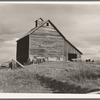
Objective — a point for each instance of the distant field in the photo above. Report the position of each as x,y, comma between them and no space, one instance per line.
52,77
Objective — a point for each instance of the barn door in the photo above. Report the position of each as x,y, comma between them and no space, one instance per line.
71,56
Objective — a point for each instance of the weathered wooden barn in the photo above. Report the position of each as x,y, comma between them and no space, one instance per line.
45,40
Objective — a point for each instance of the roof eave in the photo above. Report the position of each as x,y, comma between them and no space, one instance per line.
57,30
65,38
32,31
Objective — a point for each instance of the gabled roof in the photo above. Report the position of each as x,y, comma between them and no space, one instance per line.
34,29
39,19
64,37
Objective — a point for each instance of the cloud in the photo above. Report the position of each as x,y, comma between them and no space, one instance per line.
78,23
7,53
11,42
93,40
8,50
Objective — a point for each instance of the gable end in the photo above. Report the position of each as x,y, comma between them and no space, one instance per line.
64,37
34,29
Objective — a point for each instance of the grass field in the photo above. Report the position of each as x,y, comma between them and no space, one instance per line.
52,77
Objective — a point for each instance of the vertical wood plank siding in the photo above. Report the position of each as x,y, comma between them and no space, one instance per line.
23,49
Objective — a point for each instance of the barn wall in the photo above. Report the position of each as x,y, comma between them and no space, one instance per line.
69,49
23,49
46,42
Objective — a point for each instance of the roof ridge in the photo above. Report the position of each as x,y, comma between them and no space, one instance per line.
39,26
40,18
32,30
64,37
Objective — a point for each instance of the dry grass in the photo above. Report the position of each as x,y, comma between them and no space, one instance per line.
20,81
62,77
85,75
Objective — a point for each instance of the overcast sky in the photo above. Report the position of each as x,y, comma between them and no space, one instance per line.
80,24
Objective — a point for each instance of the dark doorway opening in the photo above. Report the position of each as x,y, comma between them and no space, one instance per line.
71,56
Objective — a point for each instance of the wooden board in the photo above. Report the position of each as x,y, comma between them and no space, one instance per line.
47,39
23,50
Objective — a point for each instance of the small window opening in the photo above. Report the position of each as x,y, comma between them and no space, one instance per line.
47,24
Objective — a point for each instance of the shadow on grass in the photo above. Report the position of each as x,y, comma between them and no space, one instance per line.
62,87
